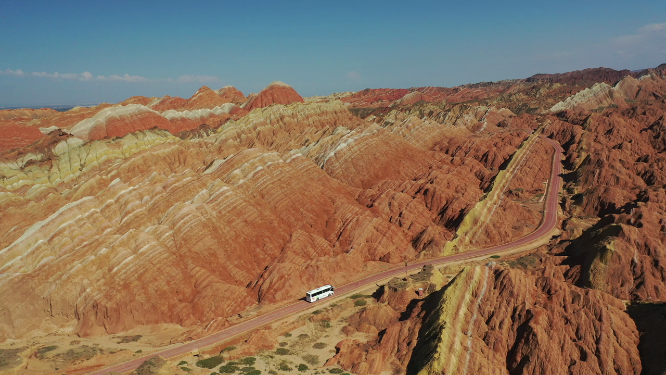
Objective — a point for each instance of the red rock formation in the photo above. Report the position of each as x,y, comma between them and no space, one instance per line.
26,113
275,93
67,119
375,97
119,121
616,161
186,120
413,97
204,98
492,319
166,103
13,135
136,100
231,94
586,76
495,320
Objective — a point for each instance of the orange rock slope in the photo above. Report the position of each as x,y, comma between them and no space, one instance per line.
494,320
149,228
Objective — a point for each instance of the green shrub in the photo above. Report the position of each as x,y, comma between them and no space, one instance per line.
228,349
317,312
284,367
139,351
335,371
288,334
495,256
319,345
128,339
186,369
302,367
312,359
246,369
249,361
282,351
44,350
211,362
181,363
272,372
360,302
325,323
303,336
283,344
254,372
228,369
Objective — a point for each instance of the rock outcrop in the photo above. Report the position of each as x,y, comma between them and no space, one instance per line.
412,98
275,93
492,320
14,135
118,121
495,320
26,113
230,94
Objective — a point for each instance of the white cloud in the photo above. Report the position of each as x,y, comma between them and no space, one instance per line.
655,27
353,75
200,79
648,40
9,72
125,77
87,76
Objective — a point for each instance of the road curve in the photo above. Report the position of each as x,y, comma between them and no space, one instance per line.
548,222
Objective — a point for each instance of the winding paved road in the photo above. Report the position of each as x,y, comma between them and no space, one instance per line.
547,224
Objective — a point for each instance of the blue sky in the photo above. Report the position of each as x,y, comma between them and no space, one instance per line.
109,51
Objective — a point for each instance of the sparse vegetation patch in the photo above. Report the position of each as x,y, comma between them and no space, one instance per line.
128,339
249,361
281,351
210,363
10,358
228,369
311,359
42,351
319,345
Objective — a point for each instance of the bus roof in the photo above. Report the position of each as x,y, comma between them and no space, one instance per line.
319,289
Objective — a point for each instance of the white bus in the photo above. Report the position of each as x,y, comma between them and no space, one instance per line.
319,293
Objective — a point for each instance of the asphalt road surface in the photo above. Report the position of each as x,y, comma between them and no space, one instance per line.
547,224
